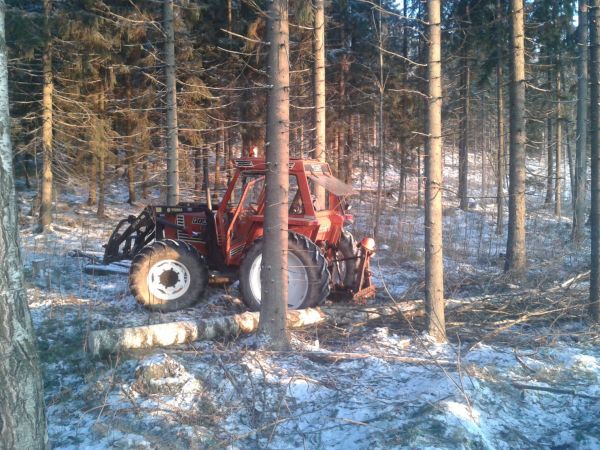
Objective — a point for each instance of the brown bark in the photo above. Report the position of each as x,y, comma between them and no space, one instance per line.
500,163
582,105
381,155
274,274
92,179
319,118
516,260
22,414
558,155
550,151
319,81
172,129
45,217
434,264
595,160
198,171
463,149
130,127
100,212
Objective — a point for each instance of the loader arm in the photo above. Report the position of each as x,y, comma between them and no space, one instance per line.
130,236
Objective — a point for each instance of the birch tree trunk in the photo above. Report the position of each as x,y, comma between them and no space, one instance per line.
22,414
595,160
515,247
274,270
45,217
434,267
582,105
172,130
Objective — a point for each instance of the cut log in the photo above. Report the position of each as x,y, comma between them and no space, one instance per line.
102,342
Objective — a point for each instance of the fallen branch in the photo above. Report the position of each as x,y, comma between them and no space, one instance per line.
102,342
334,357
554,390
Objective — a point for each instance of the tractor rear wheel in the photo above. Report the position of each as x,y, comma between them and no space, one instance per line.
167,276
343,270
308,276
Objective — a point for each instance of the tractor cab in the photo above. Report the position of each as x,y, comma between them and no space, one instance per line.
316,199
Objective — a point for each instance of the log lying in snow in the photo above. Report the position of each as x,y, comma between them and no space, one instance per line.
102,342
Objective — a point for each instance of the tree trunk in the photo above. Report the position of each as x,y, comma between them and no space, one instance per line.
171,85
22,413
146,176
571,163
500,163
516,260
219,158
92,179
463,151
100,212
549,150
559,142
419,178
104,342
434,263
582,105
319,118
45,217
198,172
274,270
130,147
341,145
381,81
595,160
205,171
348,152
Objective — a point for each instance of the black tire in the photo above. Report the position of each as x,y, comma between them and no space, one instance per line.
185,272
308,275
344,272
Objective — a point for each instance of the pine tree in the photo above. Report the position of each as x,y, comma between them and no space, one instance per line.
515,247
434,263
274,270
582,106
594,20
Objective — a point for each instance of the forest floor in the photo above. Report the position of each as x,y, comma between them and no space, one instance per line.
521,368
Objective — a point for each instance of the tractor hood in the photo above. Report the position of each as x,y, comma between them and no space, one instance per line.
332,184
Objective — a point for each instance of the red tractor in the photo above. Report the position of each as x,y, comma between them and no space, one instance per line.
177,250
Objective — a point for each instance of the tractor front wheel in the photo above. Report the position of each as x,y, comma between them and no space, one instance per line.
308,276
167,276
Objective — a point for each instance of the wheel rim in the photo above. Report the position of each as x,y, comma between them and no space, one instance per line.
297,280
168,279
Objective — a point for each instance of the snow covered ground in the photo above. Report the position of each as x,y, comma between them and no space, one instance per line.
501,382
